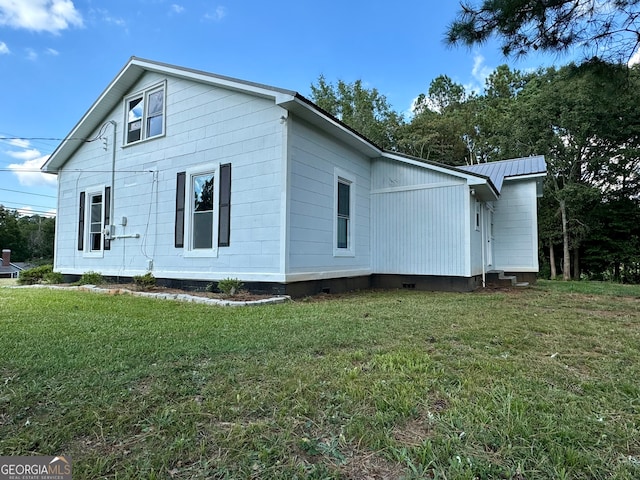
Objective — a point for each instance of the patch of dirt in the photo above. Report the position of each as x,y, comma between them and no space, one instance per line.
492,288
370,466
123,288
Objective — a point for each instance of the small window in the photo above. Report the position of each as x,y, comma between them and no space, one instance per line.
145,115
93,218
344,211
95,223
202,211
477,216
134,120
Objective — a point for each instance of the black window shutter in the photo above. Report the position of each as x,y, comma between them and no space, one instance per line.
224,215
107,214
81,223
179,226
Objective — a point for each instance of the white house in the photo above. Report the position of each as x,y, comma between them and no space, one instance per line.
197,177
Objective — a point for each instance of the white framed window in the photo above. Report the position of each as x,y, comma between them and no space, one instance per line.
201,212
93,217
344,210
490,210
477,215
96,221
145,114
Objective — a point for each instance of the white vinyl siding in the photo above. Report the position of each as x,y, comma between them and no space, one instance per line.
205,126
419,225
515,243
318,164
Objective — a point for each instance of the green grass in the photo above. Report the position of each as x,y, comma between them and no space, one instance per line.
530,384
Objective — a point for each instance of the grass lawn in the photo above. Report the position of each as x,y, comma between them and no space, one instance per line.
529,384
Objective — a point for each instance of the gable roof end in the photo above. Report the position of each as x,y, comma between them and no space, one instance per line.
134,69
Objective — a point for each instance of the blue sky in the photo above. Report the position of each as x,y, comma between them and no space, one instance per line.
57,56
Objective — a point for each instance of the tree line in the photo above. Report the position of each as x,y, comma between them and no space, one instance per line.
583,118
30,238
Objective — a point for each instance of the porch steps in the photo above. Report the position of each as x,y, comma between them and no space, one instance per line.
497,278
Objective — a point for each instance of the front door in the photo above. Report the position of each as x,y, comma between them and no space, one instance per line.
488,229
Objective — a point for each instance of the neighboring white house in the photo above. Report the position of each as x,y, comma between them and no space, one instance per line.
197,177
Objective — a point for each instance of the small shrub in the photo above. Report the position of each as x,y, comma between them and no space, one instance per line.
211,287
145,281
53,278
230,286
34,275
91,278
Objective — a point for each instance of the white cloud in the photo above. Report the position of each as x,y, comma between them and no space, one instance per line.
217,15
480,71
40,15
635,59
18,142
31,54
52,51
4,50
25,154
29,174
103,15
175,8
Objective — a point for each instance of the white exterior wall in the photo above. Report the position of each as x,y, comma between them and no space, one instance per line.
204,126
314,160
419,221
515,244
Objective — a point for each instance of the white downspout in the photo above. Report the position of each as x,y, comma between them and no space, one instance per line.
483,239
113,171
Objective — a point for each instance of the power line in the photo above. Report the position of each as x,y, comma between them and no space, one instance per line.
45,138
17,203
24,170
27,193
25,211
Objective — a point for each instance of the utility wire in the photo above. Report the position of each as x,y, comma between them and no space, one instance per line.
24,211
23,206
27,193
20,170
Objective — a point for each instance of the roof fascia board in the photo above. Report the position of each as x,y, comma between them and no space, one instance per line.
212,79
472,178
525,177
298,103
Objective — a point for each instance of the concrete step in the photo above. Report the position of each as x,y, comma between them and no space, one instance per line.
499,279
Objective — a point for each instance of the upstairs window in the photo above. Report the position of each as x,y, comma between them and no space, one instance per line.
145,115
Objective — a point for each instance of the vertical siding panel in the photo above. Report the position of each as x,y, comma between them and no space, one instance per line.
515,220
419,230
